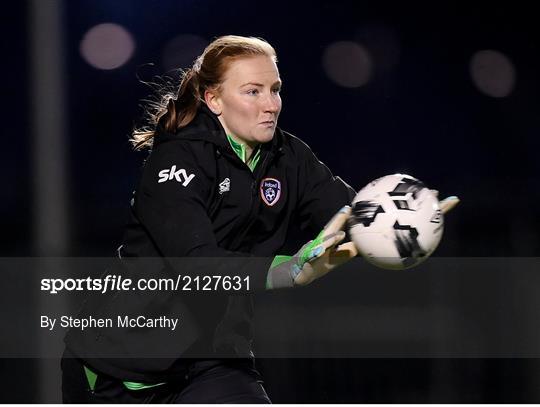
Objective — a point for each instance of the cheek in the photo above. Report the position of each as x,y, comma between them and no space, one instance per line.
239,109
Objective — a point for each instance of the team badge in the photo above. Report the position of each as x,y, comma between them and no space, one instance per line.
270,191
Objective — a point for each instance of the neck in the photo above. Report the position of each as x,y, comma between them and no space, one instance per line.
248,147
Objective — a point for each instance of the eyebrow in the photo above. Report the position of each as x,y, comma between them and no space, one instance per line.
260,84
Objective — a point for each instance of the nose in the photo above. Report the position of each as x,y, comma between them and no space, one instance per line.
272,103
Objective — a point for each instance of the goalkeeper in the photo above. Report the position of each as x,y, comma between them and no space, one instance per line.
222,181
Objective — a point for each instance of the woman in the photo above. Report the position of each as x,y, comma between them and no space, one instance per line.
222,187
222,183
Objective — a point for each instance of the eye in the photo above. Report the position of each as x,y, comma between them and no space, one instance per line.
253,92
276,90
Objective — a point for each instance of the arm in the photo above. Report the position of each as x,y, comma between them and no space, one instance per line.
321,195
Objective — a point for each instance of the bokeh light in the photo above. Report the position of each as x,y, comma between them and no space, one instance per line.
347,64
107,46
181,51
493,73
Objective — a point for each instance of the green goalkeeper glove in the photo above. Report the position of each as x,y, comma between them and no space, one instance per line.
315,258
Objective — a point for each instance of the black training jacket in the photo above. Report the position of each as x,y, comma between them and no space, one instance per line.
197,200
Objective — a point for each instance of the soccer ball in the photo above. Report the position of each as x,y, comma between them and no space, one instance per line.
396,222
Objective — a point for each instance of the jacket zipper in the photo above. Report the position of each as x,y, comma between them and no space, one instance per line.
252,204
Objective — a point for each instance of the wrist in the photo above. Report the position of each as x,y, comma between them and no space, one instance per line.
281,273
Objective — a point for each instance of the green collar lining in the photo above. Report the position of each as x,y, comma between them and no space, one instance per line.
240,150
91,377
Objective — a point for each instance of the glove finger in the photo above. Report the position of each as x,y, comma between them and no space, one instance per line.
327,242
338,220
333,239
327,260
333,258
346,250
342,254
448,204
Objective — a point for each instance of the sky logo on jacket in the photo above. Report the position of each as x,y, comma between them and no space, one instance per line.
180,175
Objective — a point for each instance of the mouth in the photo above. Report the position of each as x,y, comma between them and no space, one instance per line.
267,123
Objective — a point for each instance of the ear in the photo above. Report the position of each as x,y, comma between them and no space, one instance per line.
213,101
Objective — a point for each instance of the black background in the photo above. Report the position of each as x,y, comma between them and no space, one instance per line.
420,114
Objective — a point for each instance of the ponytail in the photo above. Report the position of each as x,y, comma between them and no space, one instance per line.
186,103
172,111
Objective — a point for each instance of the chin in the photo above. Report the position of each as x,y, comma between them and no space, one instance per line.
265,137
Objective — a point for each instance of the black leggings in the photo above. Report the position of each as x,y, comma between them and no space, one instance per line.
207,382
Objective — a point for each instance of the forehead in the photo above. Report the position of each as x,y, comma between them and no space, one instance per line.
260,69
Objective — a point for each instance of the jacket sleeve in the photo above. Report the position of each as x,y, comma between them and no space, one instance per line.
321,194
171,204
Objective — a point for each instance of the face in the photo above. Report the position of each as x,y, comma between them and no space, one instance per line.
248,101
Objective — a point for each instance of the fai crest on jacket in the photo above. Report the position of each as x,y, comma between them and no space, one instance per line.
270,191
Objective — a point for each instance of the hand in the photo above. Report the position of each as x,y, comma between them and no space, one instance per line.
315,258
331,258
